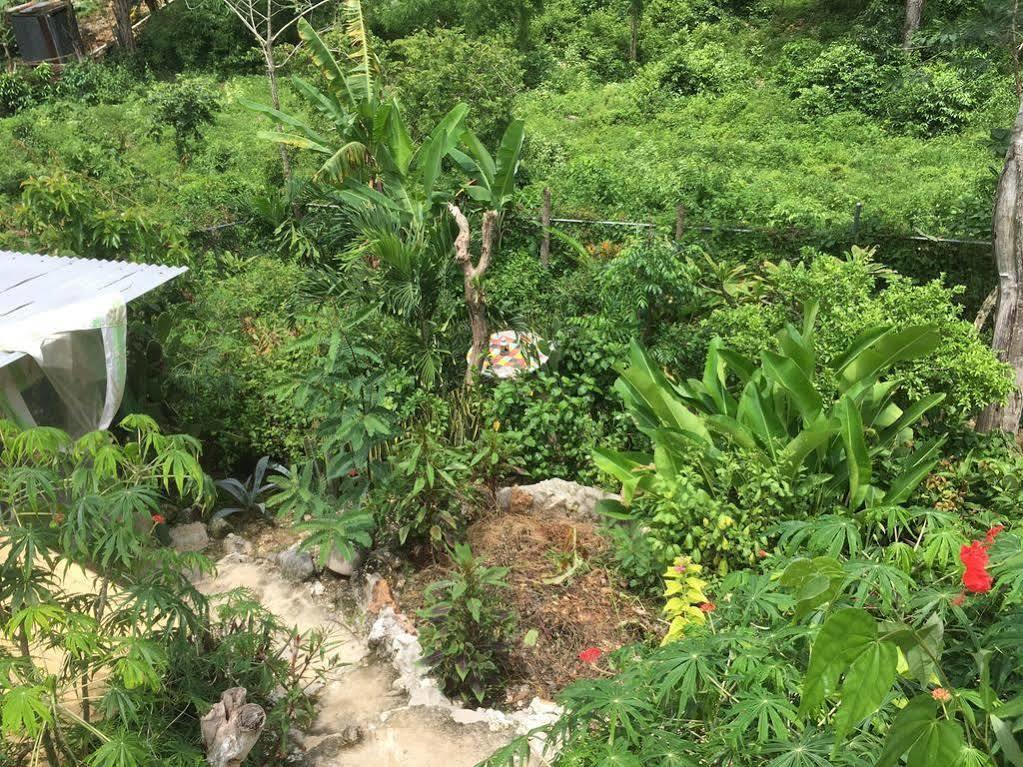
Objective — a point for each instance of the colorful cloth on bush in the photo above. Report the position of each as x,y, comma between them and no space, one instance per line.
511,353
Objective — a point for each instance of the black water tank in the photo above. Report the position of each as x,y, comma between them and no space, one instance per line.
46,30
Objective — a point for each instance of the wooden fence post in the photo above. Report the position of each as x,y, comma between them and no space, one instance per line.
680,222
545,222
856,221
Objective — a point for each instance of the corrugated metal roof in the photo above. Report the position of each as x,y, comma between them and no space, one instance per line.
32,283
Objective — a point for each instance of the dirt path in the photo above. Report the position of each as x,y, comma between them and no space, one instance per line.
370,714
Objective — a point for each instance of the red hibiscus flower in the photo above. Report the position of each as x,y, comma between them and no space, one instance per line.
590,655
708,607
976,579
159,519
994,532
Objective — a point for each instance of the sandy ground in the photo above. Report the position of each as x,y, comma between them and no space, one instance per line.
359,691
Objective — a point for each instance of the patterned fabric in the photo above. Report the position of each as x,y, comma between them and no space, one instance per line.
511,353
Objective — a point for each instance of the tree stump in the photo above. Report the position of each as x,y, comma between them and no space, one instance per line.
231,729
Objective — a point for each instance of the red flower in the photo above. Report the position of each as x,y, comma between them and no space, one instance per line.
941,694
976,579
708,607
994,532
159,519
590,655
762,554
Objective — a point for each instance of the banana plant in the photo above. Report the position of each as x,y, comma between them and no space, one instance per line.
491,180
777,412
368,139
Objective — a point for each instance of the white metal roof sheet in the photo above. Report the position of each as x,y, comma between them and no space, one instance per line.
32,283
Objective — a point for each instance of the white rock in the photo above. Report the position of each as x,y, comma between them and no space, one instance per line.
235,544
341,566
558,496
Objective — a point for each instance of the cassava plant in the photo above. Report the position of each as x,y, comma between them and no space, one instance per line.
108,654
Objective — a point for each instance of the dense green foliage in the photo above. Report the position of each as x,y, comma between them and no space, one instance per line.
786,412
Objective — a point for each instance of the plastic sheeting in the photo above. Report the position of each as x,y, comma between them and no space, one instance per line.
74,371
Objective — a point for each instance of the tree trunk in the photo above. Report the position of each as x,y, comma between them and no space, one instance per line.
231,729
1008,247
475,301
634,37
275,101
122,21
914,12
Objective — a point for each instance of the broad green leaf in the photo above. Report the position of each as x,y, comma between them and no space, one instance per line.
857,457
321,53
843,636
815,582
919,715
1007,741
787,373
867,682
888,350
914,471
508,155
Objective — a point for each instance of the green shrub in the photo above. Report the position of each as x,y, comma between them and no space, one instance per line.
838,77
229,353
936,98
731,462
467,629
15,93
555,416
139,637
436,69
196,36
186,106
846,291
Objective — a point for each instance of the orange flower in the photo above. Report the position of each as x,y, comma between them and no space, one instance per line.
159,519
941,695
708,607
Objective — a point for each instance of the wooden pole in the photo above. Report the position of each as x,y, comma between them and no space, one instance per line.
680,222
545,222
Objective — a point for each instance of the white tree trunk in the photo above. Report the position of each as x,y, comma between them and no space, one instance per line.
231,729
475,301
1008,247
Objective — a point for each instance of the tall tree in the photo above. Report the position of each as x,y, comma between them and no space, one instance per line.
914,13
268,21
122,24
1008,246
635,17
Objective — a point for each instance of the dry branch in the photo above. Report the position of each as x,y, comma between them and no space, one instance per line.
231,729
